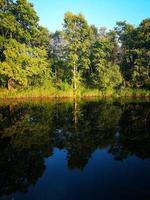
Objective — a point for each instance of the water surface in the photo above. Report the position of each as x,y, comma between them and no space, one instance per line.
75,150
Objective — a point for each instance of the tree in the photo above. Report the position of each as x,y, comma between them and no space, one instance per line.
27,19
24,66
57,55
23,45
105,73
78,34
135,54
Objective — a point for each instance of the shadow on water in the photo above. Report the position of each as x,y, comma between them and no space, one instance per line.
31,131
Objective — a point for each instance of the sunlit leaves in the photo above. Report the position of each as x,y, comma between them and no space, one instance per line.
25,65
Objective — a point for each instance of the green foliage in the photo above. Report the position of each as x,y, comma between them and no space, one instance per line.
135,57
24,65
78,58
57,54
105,74
78,35
23,46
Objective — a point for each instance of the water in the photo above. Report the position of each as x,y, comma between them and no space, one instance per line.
75,150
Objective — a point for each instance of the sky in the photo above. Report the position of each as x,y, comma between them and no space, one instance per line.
98,12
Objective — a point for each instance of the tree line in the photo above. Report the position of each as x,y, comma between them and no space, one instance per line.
78,56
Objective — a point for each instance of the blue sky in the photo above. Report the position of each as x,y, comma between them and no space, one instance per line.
98,12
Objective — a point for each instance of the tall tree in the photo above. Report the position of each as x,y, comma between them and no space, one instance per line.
78,35
57,54
105,74
22,44
135,54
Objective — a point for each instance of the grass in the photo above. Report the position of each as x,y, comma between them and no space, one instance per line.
134,93
52,92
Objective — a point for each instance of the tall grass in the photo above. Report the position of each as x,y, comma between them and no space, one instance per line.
67,92
134,93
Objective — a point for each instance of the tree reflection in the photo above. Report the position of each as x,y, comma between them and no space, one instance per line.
29,133
133,138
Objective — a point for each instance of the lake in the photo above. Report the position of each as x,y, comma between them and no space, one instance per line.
75,150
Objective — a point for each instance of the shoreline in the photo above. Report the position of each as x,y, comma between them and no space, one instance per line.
46,94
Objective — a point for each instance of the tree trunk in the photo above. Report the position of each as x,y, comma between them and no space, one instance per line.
10,84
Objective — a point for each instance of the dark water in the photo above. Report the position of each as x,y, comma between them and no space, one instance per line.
75,150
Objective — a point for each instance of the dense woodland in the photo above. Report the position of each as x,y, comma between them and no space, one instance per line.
76,57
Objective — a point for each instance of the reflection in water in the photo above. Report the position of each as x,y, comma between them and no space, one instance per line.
30,132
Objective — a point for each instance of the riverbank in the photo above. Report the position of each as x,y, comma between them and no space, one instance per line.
55,93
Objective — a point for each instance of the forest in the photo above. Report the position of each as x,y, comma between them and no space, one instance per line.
81,59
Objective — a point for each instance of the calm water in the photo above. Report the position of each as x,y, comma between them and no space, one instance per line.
75,150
